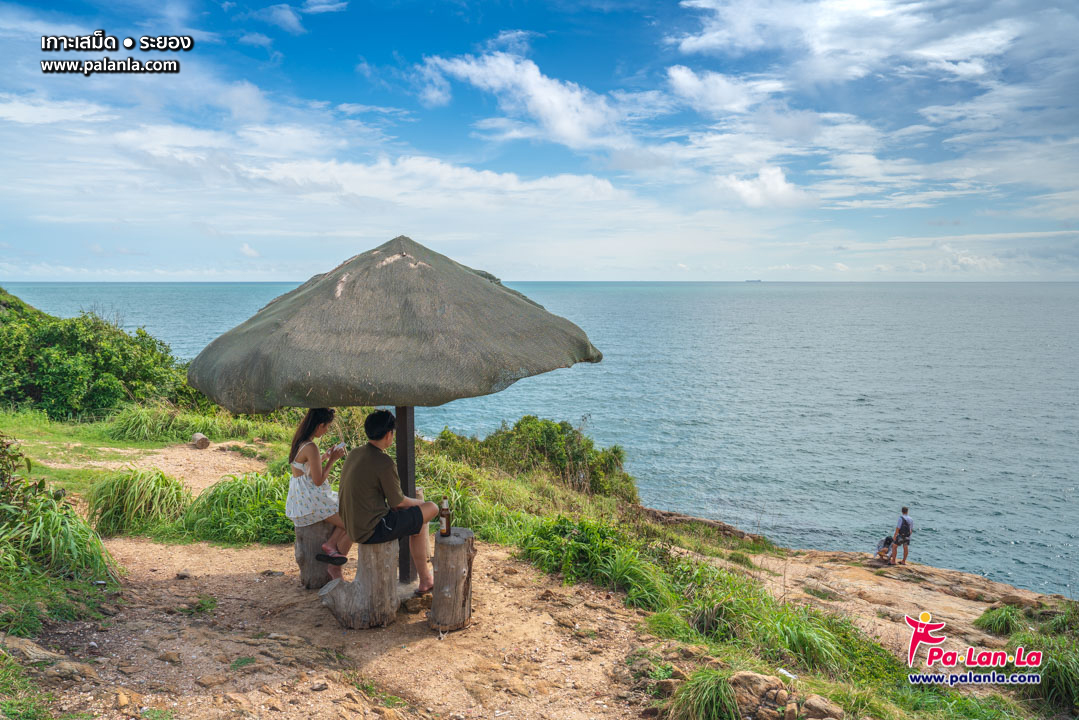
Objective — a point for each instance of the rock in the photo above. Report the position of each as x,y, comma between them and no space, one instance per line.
781,697
169,657
791,713
414,604
767,713
30,651
122,700
272,573
275,706
667,687
817,707
510,571
1017,601
650,712
750,690
238,699
183,575
71,670
128,669
319,687
209,681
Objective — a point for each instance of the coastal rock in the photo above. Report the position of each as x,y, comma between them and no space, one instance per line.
791,712
751,690
817,707
209,681
1017,601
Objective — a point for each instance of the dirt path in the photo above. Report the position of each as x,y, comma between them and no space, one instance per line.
198,469
269,649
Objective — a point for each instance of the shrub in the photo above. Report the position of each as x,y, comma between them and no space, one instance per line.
706,695
242,509
135,500
68,366
557,447
1003,621
160,421
1059,669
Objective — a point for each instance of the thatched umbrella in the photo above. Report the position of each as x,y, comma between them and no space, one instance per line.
398,325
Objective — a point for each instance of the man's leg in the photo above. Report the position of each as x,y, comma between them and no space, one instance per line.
417,545
906,548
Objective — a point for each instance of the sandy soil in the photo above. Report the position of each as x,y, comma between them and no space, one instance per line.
536,649
198,469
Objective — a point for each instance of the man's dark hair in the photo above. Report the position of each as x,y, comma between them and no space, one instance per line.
904,510
378,423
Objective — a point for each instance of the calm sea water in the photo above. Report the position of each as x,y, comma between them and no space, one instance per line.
810,412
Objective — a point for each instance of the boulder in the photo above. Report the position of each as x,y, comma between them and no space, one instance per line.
751,690
30,651
816,707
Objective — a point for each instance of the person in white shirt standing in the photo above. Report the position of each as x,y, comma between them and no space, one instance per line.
903,529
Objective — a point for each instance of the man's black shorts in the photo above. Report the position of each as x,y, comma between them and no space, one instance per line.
397,524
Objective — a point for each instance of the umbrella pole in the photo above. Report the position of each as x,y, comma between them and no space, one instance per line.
406,471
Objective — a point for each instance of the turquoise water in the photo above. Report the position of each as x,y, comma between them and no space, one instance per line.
810,412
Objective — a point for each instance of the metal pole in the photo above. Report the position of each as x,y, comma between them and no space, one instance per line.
406,471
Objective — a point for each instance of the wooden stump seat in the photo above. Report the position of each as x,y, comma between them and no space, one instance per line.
371,599
309,539
451,604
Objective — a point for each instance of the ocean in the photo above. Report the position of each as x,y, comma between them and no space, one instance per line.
810,412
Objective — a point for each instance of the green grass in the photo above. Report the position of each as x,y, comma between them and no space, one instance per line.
740,558
1002,621
203,604
162,422
706,695
241,662
820,593
1059,669
241,509
134,500
20,699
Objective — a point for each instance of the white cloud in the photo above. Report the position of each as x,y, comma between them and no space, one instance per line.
256,39
566,112
34,111
283,16
249,251
718,94
324,6
769,189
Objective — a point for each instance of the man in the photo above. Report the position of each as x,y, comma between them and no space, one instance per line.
373,508
901,536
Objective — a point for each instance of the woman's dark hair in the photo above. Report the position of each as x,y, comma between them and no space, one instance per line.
378,423
313,418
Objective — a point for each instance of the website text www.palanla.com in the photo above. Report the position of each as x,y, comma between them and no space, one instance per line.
109,65
974,678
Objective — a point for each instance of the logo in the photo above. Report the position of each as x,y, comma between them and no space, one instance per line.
922,631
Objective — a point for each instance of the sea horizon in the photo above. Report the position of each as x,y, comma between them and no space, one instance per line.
755,406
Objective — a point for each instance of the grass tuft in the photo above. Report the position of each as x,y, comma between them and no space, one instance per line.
241,509
135,500
706,695
1001,621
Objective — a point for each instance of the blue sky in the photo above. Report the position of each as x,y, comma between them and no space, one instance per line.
701,140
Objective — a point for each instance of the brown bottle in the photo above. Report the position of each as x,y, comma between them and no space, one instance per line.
444,518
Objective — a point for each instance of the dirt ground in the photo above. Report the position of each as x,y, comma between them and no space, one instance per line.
535,649
198,469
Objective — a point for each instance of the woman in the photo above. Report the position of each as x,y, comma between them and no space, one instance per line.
310,497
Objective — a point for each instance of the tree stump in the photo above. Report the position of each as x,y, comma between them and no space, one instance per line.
451,605
200,441
371,599
309,539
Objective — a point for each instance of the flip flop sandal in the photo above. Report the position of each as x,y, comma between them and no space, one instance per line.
335,559
420,593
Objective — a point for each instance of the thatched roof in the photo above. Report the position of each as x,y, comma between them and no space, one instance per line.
397,325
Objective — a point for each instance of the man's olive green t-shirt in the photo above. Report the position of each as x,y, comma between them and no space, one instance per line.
369,488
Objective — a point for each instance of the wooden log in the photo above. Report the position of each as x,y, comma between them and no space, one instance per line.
309,540
200,441
371,599
451,605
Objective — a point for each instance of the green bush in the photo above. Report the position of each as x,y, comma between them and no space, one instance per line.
242,509
49,556
1059,669
69,366
556,447
135,500
1000,621
706,695
159,421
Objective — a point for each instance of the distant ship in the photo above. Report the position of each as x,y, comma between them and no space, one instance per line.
752,280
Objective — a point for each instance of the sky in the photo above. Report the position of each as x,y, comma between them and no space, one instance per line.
813,140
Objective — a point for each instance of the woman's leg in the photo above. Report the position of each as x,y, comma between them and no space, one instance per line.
333,543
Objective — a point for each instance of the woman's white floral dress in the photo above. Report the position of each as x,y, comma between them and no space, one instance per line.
308,503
